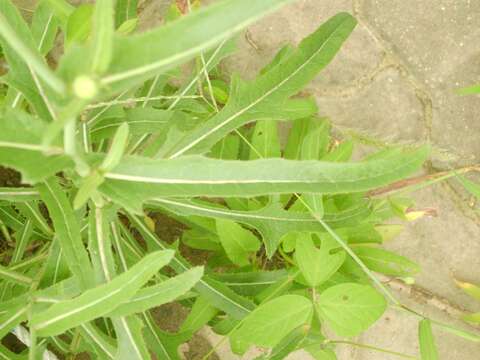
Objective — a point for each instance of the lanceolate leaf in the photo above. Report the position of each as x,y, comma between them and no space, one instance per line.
44,27
103,29
271,322
21,149
470,186
428,349
18,194
130,341
239,243
23,47
349,308
259,99
159,294
386,262
125,10
13,316
216,292
174,43
272,221
250,283
140,121
99,301
67,230
137,179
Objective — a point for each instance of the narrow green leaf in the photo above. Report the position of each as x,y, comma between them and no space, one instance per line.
15,277
44,27
137,179
140,120
87,189
349,309
202,312
21,149
20,76
217,293
18,194
6,354
131,345
103,345
159,294
271,322
22,240
475,89
103,30
13,316
272,221
100,300
238,242
30,210
56,266
79,24
428,349
386,262
99,242
250,283
316,141
317,265
470,186
159,49
125,10
67,230
259,99
265,140
62,9
119,143
288,345
343,152
28,53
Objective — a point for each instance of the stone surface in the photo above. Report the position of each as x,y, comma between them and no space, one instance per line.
446,246
364,109
438,43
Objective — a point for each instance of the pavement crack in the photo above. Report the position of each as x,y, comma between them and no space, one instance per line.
420,91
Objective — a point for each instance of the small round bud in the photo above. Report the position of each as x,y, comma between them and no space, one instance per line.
85,87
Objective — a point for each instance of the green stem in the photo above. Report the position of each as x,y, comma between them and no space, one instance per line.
350,252
374,348
451,329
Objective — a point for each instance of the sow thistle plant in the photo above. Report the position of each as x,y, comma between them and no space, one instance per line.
106,137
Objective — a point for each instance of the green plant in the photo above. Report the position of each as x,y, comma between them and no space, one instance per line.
107,140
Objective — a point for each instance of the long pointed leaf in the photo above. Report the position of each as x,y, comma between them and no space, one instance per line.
157,50
218,294
67,230
98,301
137,179
259,99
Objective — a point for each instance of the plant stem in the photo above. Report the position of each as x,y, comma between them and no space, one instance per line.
370,347
419,182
